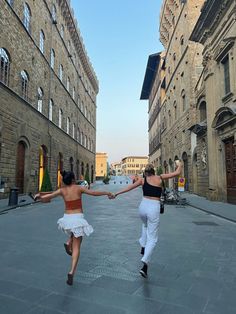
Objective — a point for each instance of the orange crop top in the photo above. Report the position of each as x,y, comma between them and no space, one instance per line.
75,204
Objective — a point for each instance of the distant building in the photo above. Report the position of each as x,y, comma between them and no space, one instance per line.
101,165
116,168
132,165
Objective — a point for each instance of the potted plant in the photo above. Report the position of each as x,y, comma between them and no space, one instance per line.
46,186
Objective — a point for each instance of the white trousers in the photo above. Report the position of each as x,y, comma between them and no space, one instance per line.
149,211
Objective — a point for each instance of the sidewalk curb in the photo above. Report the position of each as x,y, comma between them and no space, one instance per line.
212,213
14,207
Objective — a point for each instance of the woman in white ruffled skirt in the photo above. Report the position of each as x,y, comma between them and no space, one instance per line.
73,222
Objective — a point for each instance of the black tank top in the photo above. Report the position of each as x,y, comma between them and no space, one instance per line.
151,190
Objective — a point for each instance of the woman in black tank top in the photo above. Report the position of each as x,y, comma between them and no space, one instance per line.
149,209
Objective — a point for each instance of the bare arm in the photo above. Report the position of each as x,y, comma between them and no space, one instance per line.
130,187
49,196
94,193
176,173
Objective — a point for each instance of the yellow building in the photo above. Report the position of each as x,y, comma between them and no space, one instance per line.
101,165
133,165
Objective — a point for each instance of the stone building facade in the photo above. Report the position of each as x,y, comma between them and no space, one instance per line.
48,92
170,88
153,89
215,153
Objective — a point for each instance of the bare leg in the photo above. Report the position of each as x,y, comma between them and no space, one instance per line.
69,242
76,243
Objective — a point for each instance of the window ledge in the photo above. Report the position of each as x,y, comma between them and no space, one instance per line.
227,97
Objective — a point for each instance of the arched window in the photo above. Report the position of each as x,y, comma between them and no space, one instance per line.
182,40
68,84
41,41
203,111
27,17
4,66
24,84
82,138
85,111
50,109
62,31
61,72
71,164
52,59
54,13
40,99
73,130
78,135
60,118
68,125
85,141
73,93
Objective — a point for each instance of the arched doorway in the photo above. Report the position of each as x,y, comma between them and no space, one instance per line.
42,163
59,169
20,166
186,174
71,164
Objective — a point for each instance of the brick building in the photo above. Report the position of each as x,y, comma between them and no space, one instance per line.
48,92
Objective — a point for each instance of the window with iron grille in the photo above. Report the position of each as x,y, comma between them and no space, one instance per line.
4,66
24,84
27,16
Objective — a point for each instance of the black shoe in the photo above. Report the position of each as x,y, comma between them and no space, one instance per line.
142,250
143,270
67,248
69,279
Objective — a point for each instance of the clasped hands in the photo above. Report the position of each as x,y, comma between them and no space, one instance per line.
111,196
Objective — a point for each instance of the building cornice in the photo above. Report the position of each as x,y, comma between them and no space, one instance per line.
73,28
211,14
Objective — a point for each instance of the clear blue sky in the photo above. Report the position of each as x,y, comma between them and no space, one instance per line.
119,36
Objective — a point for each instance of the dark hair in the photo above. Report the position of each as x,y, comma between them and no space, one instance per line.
67,177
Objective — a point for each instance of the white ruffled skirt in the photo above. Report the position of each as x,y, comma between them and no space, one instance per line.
76,224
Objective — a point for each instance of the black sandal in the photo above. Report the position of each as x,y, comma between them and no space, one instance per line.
68,251
69,279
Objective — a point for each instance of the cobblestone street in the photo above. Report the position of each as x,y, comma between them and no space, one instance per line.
192,270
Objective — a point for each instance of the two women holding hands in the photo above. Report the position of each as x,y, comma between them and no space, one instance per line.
74,224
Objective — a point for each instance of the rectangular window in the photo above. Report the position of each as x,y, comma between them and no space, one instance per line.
225,63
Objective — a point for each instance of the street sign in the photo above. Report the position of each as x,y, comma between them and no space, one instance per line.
181,184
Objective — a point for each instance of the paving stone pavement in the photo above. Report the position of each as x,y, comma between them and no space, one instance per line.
193,269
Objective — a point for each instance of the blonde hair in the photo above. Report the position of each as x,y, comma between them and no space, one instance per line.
149,170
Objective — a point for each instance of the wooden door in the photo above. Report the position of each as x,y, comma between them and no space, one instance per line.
230,156
20,167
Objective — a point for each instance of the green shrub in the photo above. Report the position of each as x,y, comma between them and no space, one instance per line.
106,179
46,184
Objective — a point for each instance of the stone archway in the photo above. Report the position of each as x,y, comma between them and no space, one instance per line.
59,169
20,166
43,161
